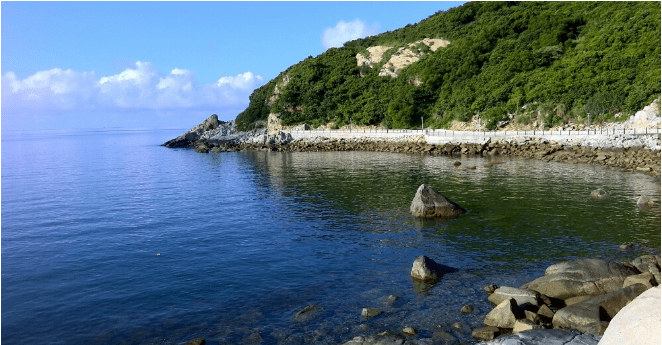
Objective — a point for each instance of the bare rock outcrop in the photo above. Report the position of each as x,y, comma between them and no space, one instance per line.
410,54
194,134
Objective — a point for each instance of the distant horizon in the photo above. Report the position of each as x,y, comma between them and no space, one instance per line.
159,65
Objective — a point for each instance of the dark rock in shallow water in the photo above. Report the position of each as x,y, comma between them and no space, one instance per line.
425,269
428,203
599,194
196,341
305,311
546,337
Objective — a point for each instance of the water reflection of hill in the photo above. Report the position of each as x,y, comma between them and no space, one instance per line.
522,204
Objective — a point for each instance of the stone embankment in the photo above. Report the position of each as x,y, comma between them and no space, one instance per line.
633,145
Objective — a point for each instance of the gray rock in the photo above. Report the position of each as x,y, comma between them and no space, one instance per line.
647,279
409,331
486,333
369,312
305,311
504,315
581,277
533,317
490,288
545,312
425,269
521,296
202,148
649,263
645,200
546,337
377,340
637,323
391,299
576,299
525,325
599,194
428,203
592,315
467,309
196,341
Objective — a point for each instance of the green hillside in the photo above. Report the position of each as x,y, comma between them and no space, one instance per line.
564,59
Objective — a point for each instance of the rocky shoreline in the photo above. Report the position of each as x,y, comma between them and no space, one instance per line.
636,158
630,152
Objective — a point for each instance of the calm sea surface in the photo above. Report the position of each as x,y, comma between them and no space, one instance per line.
109,238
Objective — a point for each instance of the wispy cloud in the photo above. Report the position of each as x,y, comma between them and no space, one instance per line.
140,87
344,31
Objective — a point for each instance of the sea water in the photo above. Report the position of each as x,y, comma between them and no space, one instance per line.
110,238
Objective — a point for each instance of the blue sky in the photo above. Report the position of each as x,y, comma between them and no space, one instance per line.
166,64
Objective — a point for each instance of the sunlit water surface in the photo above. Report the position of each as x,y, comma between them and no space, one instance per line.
109,238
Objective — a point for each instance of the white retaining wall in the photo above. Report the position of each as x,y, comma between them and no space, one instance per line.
441,136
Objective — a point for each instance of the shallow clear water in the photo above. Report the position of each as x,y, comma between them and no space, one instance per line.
109,238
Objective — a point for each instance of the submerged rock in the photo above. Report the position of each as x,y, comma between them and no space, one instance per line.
305,311
196,341
428,203
369,312
376,340
427,270
645,200
546,337
599,194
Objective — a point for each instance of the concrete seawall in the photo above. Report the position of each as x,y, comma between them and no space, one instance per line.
598,137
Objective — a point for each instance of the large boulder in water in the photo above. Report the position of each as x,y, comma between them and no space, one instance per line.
427,270
581,278
428,203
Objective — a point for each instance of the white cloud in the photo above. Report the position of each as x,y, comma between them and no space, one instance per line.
343,32
63,89
140,87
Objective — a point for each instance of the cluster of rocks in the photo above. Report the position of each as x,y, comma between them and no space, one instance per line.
583,295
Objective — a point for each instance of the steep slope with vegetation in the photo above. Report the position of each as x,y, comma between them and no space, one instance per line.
561,59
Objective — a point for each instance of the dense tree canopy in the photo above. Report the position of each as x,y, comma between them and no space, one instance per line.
565,58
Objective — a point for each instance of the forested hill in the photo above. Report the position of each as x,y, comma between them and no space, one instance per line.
564,59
